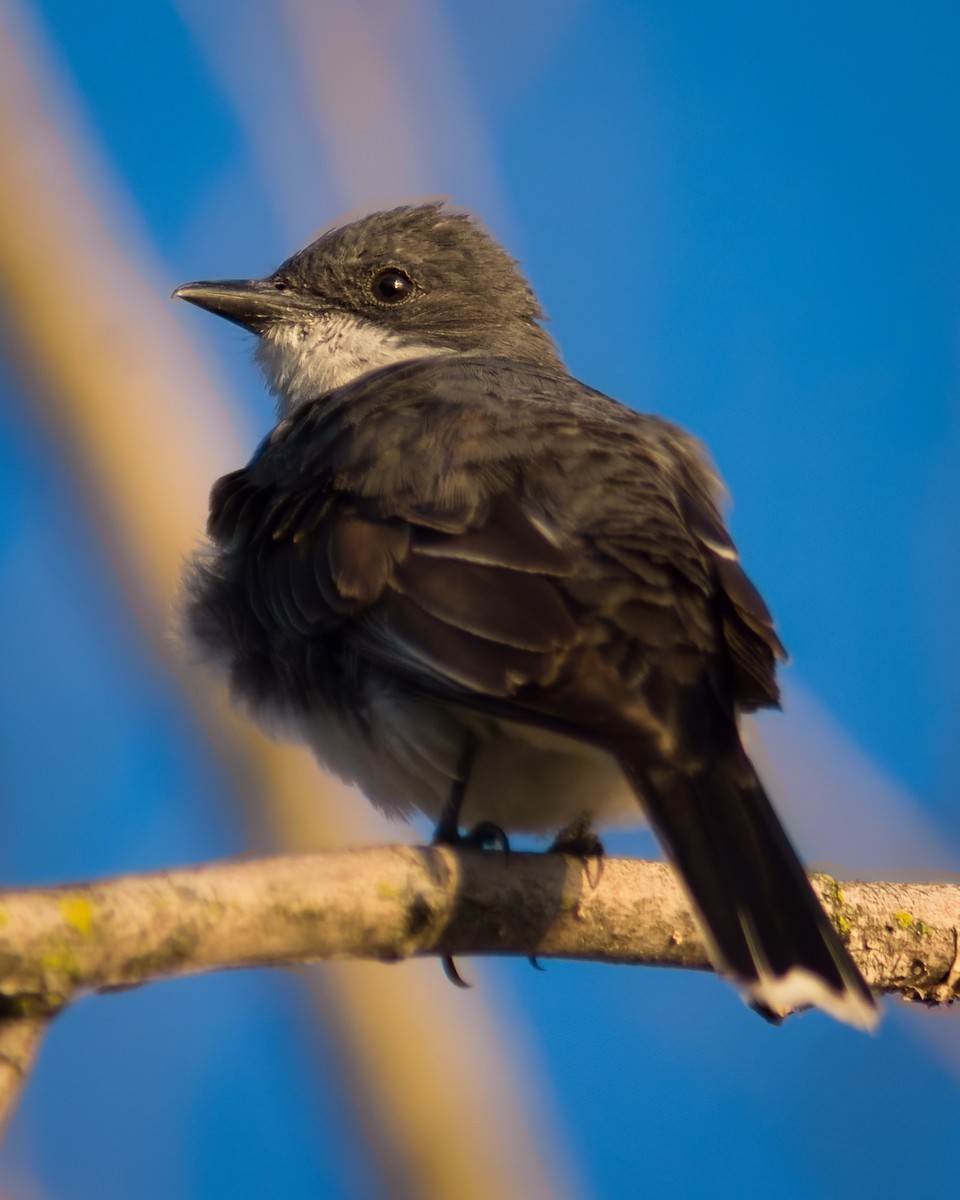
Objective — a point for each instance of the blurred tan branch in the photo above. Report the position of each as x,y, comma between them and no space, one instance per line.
397,902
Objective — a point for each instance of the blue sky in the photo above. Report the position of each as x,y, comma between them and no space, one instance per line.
745,217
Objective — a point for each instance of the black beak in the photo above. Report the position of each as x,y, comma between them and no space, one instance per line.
254,304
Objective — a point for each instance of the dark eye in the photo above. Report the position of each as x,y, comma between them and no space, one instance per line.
391,285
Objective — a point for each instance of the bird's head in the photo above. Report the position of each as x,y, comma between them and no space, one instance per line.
392,286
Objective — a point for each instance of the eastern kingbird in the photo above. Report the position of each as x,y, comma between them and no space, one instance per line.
483,591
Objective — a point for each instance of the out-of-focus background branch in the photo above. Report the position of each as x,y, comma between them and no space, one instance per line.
745,220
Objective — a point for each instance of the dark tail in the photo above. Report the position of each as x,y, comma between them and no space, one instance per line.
762,921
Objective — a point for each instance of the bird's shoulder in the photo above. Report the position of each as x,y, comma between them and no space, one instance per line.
434,441
430,401
453,428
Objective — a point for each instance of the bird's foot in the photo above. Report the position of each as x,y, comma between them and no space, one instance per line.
484,836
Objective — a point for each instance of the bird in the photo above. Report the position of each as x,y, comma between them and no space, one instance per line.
482,591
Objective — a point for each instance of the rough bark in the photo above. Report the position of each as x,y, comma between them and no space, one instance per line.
395,902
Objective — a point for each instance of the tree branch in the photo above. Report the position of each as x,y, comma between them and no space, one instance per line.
398,901
395,902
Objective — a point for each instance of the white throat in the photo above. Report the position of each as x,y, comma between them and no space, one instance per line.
302,362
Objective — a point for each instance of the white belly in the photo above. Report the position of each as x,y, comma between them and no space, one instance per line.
522,778
534,781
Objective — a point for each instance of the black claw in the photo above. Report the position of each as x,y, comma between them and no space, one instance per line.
593,860
535,963
767,1013
451,972
488,836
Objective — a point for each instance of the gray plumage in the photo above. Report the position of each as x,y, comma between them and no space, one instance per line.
450,558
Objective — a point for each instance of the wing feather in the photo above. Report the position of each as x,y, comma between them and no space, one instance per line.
483,545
